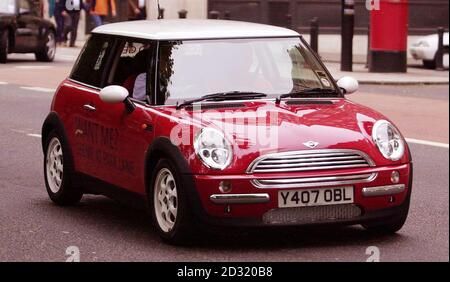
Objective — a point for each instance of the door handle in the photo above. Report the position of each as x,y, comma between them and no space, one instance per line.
89,108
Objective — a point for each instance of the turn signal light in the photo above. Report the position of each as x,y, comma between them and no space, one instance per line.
225,186
395,177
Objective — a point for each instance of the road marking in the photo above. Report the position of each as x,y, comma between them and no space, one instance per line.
18,131
3,83
34,135
428,143
68,57
32,67
39,89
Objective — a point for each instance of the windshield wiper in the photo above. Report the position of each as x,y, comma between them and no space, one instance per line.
222,96
306,92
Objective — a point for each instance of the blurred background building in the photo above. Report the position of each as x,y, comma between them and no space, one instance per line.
424,15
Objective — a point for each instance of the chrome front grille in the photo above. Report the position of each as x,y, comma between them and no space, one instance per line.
311,160
314,181
305,215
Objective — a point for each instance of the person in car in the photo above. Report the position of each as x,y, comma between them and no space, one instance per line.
138,80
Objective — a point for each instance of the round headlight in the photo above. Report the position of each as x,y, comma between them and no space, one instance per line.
213,148
388,140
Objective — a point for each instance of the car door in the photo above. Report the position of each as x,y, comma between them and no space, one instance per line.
128,134
81,94
27,31
109,141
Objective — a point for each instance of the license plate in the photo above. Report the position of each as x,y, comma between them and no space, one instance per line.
315,197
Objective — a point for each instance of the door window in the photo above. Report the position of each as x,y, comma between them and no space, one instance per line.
91,64
132,68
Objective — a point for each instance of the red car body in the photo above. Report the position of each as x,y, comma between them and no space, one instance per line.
120,148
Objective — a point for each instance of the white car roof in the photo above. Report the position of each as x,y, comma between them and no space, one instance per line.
192,29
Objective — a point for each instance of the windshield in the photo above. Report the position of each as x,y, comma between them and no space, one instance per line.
272,66
7,6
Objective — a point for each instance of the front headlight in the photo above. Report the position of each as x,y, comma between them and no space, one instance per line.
213,148
388,140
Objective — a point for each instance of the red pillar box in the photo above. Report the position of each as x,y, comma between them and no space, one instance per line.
388,36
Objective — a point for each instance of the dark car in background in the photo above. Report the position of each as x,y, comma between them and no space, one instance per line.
23,30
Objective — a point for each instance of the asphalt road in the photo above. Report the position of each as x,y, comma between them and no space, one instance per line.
34,229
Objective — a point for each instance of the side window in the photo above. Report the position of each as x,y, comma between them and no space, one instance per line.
131,67
91,64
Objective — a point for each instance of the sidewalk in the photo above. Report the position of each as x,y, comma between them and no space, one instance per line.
416,75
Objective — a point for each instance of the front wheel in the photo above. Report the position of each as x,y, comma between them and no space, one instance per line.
58,172
169,206
4,47
48,51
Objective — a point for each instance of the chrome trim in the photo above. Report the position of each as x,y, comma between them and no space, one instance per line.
296,158
239,198
314,181
383,190
89,108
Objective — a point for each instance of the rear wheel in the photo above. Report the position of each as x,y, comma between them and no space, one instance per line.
169,206
48,51
4,46
58,172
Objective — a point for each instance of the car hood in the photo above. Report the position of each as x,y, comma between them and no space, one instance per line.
256,128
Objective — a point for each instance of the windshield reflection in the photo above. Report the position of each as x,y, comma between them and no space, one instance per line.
191,69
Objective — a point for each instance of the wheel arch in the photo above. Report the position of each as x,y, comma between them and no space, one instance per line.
52,122
162,147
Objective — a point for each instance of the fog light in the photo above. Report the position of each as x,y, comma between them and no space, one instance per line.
225,186
395,177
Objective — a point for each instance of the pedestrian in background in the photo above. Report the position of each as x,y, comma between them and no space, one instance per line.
72,19
100,10
51,8
58,12
136,10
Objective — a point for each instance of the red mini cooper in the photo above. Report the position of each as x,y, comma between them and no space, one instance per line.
221,123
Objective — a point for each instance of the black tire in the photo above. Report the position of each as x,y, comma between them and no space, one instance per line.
4,46
184,228
391,225
429,64
48,51
68,194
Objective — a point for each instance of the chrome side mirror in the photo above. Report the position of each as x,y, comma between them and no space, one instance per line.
115,94
348,84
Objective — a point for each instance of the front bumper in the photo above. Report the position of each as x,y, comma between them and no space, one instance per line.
247,205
